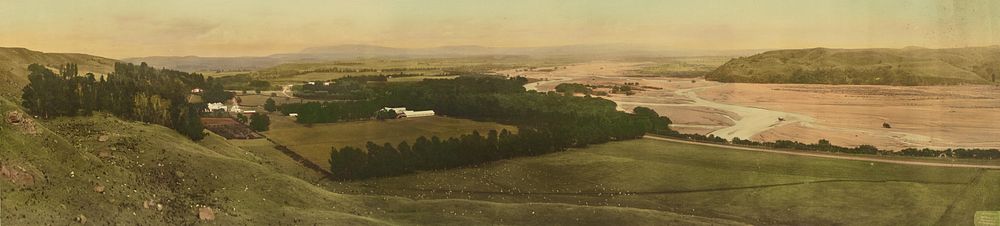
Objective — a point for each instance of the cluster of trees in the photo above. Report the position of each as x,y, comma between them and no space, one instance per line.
548,122
347,88
259,122
270,105
826,146
317,112
572,88
214,91
135,92
350,163
974,153
576,121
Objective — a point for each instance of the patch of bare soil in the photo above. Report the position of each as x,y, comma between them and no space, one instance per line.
21,121
229,128
17,175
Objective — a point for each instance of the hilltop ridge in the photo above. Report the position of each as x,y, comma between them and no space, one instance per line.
14,66
906,66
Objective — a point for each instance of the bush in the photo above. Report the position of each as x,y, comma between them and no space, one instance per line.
259,122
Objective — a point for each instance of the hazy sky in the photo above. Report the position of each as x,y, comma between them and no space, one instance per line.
239,28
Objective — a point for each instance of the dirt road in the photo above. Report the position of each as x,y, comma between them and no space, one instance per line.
818,155
285,89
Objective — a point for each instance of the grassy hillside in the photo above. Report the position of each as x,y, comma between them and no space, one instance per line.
907,66
14,66
744,186
54,175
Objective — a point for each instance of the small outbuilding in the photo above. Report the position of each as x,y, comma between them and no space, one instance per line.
414,114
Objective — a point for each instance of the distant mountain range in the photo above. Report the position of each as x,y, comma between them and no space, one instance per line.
341,52
906,66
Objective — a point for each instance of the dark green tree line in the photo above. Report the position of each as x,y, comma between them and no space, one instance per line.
135,92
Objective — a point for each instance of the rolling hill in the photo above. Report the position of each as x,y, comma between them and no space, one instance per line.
906,66
100,170
103,170
14,66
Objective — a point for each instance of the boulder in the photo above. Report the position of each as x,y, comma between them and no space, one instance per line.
81,219
99,188
103,138
18,175
104,154
206,213
21,121
14,117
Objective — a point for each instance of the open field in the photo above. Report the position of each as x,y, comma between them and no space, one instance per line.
743,186
314,142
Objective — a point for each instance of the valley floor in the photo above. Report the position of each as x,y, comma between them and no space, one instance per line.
847,115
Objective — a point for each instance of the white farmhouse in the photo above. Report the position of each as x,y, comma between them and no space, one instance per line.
216,106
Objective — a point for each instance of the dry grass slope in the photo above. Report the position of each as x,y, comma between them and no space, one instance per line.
934,66
14,66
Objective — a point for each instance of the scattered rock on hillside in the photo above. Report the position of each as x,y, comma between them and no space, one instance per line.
18,175
13,117
81,219
21,121
104,154
206,213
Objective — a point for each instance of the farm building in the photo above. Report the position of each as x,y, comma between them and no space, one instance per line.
220,106
402,112
216,106
414,114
